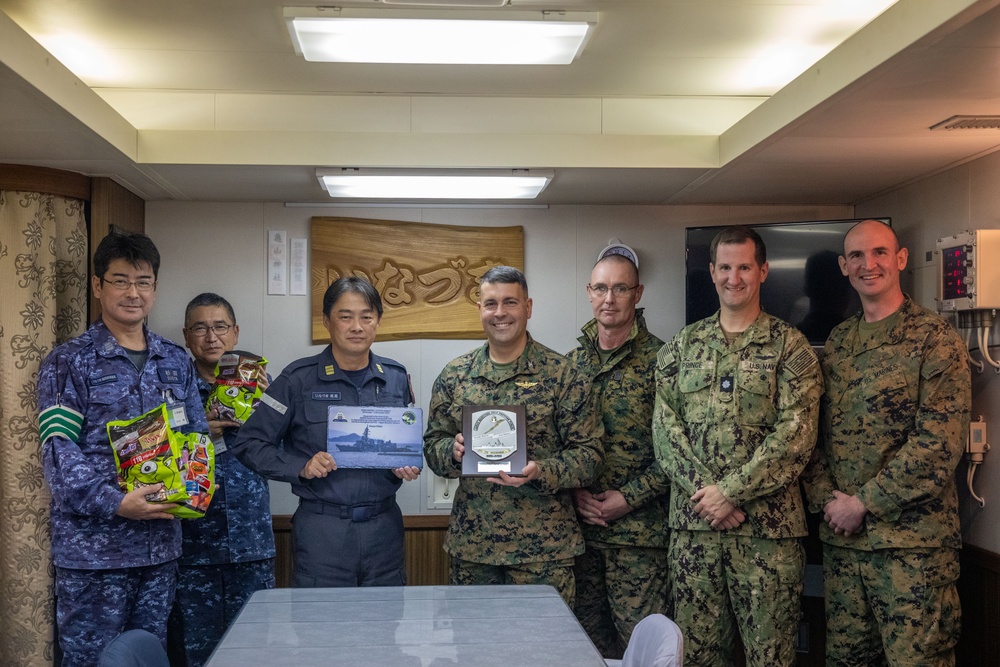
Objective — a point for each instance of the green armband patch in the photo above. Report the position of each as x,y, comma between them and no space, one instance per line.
59,420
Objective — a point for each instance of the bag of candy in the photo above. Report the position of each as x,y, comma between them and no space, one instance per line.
237,390
197,465
146,455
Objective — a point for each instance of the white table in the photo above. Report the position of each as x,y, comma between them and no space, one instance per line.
423,626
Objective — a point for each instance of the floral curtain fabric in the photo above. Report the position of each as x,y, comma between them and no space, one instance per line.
43,302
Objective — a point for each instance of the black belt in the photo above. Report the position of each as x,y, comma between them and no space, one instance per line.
356,513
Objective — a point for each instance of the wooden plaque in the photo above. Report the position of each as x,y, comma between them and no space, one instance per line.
428,275
495,440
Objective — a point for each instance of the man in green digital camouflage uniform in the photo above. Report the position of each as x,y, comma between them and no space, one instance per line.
893,428
622,576
737,403
507,529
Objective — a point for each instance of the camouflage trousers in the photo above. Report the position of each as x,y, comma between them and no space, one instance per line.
616,587
555,573
208,599
891,607
95,606
722,584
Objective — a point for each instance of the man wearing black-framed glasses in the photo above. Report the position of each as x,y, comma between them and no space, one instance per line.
622,576
228,554
114,552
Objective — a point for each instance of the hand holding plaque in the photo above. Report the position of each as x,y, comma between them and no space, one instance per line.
495,440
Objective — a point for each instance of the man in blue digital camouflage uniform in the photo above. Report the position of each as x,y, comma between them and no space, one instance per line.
893,428
115,553
734,424
622,576
229,553
348,529
509,529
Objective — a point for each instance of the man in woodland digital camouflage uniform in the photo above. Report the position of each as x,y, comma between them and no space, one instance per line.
622,576
504,529
893,428
737,403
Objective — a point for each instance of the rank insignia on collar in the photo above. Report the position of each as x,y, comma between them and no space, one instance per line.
329,369
726,384
525,385
379,367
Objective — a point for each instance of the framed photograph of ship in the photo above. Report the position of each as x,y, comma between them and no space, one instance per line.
375,437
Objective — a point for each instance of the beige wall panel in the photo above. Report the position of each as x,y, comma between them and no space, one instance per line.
675,115
485,115
153,110
435,150
312,113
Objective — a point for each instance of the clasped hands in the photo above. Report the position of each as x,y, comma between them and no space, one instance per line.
715,508
844,513
599,509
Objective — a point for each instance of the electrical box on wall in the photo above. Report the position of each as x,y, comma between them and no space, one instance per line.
969,270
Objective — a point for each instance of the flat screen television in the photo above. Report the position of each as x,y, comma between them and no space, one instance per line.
804,285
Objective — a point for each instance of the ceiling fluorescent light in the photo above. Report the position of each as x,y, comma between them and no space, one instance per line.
330,34
433,184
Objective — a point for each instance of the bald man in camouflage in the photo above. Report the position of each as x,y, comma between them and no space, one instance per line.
893,428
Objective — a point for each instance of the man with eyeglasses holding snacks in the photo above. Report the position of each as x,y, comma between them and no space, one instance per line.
228,554
622,576
114,552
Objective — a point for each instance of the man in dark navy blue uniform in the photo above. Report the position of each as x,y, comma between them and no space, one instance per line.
115,553
229,553
347,530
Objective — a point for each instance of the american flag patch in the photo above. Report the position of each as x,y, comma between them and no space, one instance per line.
801,361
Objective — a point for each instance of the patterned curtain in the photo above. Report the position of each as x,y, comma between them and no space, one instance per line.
43,302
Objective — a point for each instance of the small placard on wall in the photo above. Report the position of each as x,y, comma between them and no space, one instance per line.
298,266
277,262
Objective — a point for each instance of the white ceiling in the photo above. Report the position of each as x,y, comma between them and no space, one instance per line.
206,100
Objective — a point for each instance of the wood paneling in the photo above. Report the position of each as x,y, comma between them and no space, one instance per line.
42,179
426,561
284,560
114,205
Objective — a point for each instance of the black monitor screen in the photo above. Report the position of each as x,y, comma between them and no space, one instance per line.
804,285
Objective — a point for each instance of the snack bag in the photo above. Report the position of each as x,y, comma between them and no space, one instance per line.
147,453
197,465
236,392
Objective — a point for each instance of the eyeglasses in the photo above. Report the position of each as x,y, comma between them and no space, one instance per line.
122,285
601,290
200,330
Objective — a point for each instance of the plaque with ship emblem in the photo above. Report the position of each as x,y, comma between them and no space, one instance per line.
495,440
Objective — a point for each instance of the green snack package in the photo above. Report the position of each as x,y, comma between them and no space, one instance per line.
146,454
236,392
197,465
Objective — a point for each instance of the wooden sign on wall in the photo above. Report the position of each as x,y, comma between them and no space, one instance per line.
428,275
